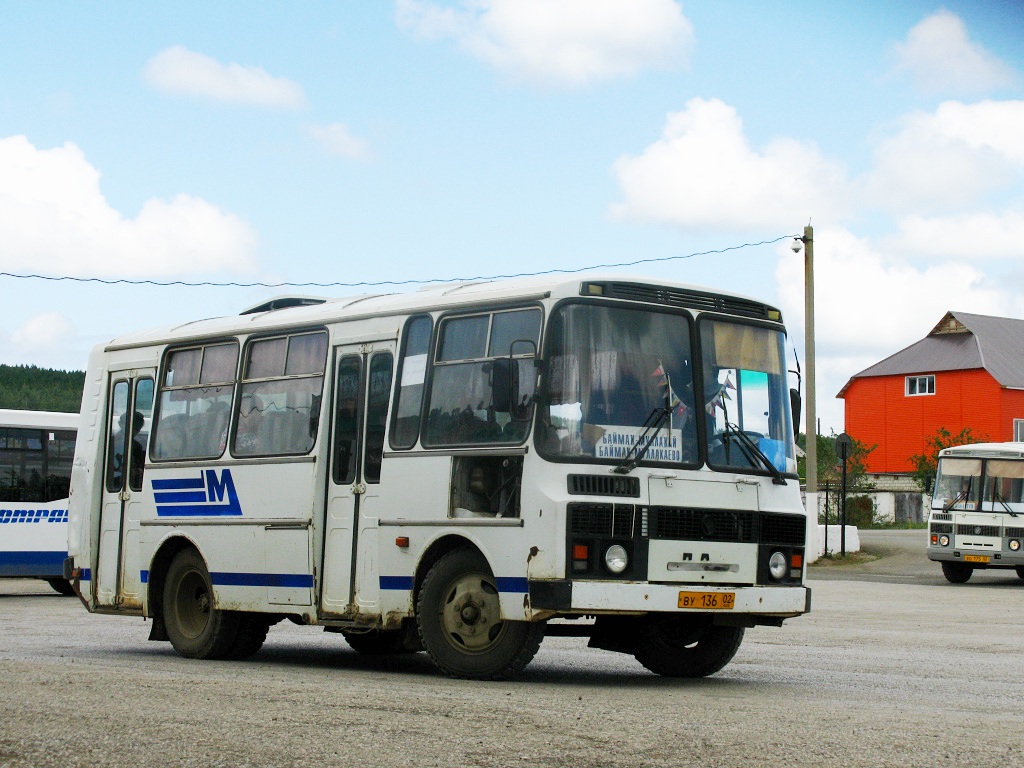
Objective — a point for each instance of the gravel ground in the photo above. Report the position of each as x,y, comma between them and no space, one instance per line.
882,672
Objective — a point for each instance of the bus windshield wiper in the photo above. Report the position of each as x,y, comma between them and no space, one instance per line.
997,496
753,452
652,426
955,500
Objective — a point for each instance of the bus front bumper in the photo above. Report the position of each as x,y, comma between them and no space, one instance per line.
600,597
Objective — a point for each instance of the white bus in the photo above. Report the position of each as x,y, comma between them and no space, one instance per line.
449,470
977,514
36,451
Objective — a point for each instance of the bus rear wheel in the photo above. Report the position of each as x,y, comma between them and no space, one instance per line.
196,628
460,624
686,646
956,573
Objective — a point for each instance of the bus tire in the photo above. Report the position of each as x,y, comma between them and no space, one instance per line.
460,624
196,628
252,633
63,586
378,642
685,646
956,573
1020,571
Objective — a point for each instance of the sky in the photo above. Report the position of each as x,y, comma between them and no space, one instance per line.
385,143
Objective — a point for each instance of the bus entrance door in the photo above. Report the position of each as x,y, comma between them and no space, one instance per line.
118,571
362,388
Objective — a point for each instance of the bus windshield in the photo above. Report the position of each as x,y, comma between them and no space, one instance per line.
613,370
957,483
746,398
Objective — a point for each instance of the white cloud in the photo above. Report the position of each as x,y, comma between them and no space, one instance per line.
55,220
561,42
869,306
965,236
703,174
949,159
337,140
179,70
43,331
940,57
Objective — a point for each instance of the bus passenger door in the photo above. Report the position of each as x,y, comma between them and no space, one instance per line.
362,389
118,581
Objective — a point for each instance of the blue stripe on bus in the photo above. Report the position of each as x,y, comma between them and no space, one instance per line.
179,497
193,510
223,579
516,584
179,484
512,584
396,582
32,563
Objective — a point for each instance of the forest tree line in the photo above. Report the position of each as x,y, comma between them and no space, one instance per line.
28,388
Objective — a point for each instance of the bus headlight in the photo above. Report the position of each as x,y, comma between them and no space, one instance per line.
1014,544
944,541
778,565
616,559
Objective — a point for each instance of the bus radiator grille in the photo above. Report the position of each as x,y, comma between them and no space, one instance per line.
977,530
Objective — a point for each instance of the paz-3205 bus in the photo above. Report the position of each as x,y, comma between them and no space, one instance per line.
451,470
977,514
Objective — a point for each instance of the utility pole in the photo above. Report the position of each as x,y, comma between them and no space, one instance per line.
811,427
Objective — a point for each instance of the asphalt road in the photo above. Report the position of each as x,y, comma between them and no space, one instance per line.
892,667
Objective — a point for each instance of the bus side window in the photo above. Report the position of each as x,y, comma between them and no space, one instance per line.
377,414
405,428
279,407
194,402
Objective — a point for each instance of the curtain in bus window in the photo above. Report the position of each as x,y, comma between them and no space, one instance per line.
958,482
409,398
1004,484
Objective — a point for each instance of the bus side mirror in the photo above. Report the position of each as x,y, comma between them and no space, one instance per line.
794,405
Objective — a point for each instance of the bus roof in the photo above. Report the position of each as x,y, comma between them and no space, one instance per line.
39,419
986,451
297,311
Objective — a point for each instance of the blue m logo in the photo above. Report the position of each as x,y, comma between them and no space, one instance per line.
202,496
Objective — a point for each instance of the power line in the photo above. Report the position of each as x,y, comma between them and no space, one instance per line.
370,284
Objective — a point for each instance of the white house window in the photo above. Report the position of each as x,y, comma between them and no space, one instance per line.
921,385
1018,430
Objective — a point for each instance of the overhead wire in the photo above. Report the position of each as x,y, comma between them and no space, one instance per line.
369,284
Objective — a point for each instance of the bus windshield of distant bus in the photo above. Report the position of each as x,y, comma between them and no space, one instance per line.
610,369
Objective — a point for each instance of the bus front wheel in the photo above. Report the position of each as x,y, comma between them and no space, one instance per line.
196,628
460,624
63,586
956,573
686,646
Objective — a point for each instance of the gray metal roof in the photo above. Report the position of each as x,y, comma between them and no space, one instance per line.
961,342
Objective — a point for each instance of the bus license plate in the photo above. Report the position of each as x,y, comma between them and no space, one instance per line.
708,601
976,558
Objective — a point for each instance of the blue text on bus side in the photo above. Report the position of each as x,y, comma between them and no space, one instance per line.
33,516
197,496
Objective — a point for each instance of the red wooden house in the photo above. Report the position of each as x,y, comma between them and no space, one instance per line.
968,372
